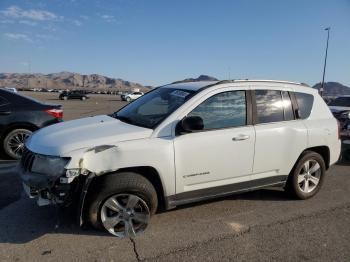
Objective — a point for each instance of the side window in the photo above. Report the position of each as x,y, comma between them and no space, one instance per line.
287,105
305,102
227,109
269,106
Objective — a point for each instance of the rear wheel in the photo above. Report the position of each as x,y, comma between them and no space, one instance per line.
307,177
123,205
65,98
13,143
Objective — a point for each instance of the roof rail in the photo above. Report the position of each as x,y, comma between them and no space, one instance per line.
257,80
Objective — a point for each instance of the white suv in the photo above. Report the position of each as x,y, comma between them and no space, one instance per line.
182,143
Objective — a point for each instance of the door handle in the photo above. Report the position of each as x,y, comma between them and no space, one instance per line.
3,113
240,137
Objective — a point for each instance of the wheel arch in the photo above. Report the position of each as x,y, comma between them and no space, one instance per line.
11,127
148,172
324,153
321,150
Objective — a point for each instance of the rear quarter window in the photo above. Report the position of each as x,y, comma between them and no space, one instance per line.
305,103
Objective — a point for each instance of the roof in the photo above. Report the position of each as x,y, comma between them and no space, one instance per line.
196,86
193,86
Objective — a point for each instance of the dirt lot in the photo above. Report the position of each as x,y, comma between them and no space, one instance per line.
260,226
73,109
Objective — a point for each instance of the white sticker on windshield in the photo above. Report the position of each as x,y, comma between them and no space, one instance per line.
179,93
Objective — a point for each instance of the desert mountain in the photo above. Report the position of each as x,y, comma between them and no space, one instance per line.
333,89
200,78
67,80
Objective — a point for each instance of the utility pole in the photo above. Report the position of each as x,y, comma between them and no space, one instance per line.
328,29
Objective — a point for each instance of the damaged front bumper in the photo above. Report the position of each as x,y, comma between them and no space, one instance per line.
59,190
50,189
45,178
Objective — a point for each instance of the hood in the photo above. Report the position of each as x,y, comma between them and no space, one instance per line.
336,109
64,137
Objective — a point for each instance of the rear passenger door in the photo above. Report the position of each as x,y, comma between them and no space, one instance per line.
280,138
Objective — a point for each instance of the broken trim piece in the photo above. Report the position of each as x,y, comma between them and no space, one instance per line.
83,194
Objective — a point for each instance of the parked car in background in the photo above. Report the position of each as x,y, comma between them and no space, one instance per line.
340,108
182,143
12,89
131,96
19,117
73,95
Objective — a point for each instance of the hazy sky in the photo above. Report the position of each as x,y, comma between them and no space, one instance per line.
155,42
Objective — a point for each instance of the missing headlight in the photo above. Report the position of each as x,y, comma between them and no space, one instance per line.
49,165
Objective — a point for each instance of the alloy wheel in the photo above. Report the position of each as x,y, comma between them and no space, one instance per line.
309,176
125,215
15,144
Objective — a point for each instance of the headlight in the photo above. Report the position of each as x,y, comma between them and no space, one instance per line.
345,114
48,165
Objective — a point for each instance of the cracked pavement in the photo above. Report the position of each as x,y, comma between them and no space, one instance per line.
264,225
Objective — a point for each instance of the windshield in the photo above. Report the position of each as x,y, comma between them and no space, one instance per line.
152,108
341,101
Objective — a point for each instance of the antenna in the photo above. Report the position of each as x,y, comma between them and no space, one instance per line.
325,62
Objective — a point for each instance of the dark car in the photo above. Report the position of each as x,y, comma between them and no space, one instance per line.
19,117
73,95
340,108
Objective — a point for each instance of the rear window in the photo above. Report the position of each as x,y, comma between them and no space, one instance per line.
18,98
341,101
305,102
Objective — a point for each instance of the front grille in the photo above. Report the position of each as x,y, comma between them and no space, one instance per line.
27,159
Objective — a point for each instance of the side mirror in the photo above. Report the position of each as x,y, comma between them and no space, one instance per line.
192,123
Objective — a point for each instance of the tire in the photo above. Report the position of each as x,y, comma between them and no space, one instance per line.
65,98
302,184
128,99
114,186
13,143
83,98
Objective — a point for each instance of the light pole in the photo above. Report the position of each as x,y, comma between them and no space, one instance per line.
328,29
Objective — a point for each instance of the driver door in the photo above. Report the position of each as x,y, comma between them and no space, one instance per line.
222,153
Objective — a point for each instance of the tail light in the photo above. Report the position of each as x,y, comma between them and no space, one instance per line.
339,129
56,113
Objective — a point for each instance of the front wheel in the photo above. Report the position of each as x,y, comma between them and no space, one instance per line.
307,176
128,99
122,204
